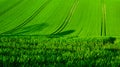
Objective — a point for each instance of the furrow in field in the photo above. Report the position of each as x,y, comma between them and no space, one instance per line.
78,19
52,15
80,25
30,18
67,19
103,23
19,14
11,7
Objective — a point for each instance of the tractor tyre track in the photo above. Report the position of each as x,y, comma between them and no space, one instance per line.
67,19
103,23
28,19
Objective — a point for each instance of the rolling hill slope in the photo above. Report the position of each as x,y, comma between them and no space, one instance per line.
60,17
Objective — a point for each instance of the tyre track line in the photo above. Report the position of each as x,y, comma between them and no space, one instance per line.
103,23
67,19
29,19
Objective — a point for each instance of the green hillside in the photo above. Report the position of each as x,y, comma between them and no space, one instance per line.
68,17
59,33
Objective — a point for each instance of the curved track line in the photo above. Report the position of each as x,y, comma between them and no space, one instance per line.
30,18
80,31
11,7
67,19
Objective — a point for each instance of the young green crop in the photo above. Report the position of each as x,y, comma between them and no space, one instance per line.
59,51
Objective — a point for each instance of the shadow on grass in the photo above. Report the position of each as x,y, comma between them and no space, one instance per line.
61,34
109,40
31,29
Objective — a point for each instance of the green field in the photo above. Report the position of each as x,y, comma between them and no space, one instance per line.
82,18
32,51
60,32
